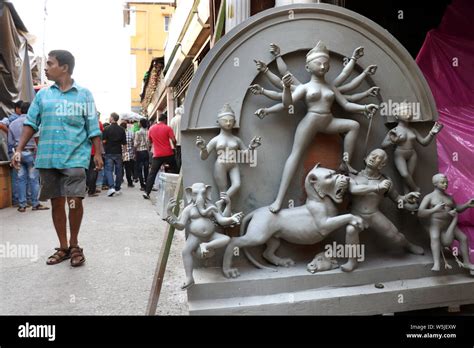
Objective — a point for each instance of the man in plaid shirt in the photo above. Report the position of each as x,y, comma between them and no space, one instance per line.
128,154
142,146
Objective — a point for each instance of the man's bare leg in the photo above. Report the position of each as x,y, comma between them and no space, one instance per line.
76,212
382,225
58,212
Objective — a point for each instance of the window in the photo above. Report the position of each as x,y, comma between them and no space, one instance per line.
167,23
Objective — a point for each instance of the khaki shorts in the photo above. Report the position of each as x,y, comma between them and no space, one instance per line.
69,182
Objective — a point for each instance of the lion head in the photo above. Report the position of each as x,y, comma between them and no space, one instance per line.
321,182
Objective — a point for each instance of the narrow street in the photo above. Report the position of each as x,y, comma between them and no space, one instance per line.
121,237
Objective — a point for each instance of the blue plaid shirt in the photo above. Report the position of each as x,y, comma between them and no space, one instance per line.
66,122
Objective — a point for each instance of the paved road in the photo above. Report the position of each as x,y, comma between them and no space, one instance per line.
121,237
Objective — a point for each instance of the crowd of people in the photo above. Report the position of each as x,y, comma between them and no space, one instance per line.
129,149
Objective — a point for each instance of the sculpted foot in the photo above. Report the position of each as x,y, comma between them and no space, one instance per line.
188,284
349,266
414,249
287,262
435,268
275,207
231,273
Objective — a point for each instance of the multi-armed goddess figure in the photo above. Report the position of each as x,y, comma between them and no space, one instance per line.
319,96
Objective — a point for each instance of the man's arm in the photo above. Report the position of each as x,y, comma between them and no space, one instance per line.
105,135
32,122
26,135
3,127
362,189
10,140
98,161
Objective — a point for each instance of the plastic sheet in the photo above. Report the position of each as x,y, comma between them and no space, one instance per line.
15,71
447,61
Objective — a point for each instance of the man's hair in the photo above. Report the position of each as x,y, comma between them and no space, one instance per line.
18,104
143,122
163,117
24,108
64,57
123,124
115,116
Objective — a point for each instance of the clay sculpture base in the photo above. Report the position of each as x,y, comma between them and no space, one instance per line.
408,284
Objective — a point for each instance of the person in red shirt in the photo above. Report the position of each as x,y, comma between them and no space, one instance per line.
160,135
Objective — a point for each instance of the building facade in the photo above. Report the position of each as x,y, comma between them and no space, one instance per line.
149,24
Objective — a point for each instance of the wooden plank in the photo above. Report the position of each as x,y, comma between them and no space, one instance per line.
164,254
219,24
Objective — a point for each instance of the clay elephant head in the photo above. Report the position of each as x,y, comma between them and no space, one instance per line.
199,194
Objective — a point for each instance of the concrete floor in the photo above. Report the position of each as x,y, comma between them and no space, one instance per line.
121,237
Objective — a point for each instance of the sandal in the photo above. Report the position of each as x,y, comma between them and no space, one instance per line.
40,207
76,252
59,256
22,209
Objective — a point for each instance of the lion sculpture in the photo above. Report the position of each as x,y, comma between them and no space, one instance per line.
307,224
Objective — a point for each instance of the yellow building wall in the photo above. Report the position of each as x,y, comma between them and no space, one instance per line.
149,35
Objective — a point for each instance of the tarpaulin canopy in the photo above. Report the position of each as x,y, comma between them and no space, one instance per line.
15,72
447,61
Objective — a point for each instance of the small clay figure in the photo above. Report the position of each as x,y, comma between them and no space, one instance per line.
198,218
442,211
368,188
403,136
229,149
